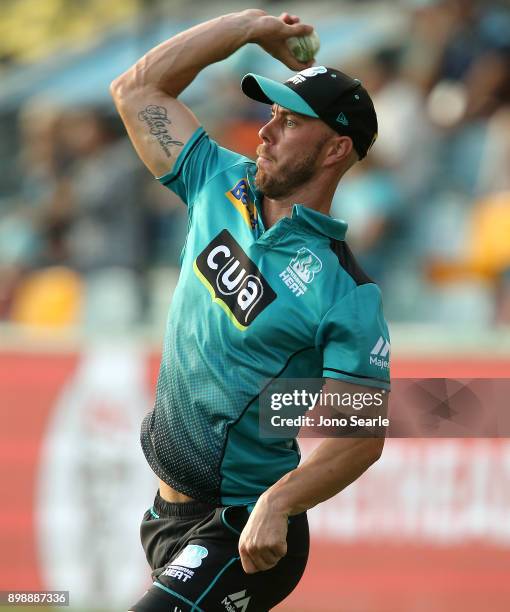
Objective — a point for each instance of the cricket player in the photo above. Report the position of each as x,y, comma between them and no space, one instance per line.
268,289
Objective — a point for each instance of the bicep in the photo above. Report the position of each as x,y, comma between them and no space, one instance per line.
158,125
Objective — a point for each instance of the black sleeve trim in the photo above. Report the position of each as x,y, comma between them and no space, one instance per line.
383,380
348,262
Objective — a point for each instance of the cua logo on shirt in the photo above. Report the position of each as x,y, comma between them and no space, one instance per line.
233,280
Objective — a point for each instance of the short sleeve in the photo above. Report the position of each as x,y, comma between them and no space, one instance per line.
199,161
354,339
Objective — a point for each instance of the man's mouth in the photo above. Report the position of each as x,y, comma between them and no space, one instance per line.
261,157
262,160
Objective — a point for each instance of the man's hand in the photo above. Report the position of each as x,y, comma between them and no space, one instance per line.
271,33
263,541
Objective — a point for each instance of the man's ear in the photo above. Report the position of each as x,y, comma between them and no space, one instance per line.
338,150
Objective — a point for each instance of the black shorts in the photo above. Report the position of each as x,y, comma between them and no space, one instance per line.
192,549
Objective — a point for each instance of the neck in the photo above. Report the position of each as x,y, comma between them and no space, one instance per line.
318,197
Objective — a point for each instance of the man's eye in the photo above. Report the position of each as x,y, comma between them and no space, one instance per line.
290,123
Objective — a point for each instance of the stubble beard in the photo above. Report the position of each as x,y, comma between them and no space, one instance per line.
283,181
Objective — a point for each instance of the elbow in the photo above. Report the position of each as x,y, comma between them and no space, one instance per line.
123,86
375,449
114,85
372,450
118,87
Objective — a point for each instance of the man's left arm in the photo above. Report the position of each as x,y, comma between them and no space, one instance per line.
332,466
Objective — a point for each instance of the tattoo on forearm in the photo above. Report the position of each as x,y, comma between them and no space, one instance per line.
156,118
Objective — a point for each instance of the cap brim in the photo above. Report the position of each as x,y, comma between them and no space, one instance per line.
271,92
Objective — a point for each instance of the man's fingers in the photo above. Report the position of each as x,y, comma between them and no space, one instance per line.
249,566
259,559
289,19
253,563
268,557
275,42
265,558
291,62
299,29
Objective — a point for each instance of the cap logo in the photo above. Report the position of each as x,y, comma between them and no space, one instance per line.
342,119
301,77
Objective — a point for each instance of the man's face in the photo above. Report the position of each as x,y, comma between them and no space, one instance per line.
290,153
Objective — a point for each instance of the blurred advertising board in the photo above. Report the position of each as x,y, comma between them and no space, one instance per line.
426,528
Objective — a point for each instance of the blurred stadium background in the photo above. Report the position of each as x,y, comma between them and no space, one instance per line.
89,249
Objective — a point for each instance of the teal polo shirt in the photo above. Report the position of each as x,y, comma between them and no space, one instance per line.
251,304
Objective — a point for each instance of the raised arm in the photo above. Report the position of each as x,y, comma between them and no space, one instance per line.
146,95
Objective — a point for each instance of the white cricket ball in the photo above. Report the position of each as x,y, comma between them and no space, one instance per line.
304,48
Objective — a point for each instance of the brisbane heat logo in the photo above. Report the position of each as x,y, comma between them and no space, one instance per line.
233,280
306,264
301,271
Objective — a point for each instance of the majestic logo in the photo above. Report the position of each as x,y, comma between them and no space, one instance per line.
239,197
301,77
233,280
236,602
301,271
379,353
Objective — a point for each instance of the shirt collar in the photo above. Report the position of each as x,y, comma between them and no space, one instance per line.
319,222
305,216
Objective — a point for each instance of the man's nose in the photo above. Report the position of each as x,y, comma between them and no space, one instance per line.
266,133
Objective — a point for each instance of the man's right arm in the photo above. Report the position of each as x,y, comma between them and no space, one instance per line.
146,95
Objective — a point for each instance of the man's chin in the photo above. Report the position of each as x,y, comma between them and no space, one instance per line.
266,184
262,180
